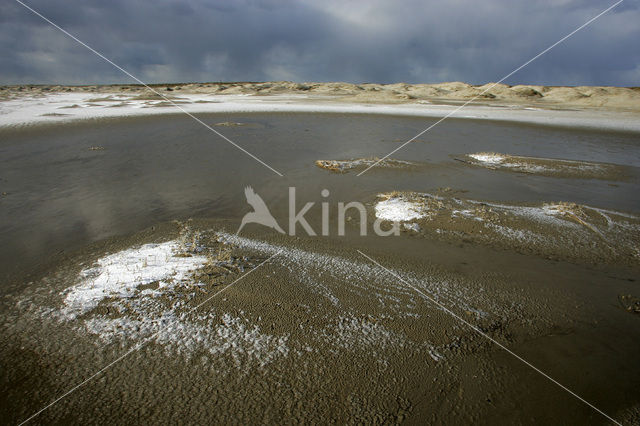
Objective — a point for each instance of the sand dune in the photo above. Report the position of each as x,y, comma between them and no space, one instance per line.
627,98
587,107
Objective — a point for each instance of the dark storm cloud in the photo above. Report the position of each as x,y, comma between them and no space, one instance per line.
331,40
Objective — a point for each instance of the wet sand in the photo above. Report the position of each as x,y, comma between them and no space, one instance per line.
566,231
94,265
321,334
547,166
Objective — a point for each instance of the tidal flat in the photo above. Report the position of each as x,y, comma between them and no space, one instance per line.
119,240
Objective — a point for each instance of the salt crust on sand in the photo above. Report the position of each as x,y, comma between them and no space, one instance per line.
399,210
120,274
118,281
227,334
527,164
408,207
365,279
488,158
116,278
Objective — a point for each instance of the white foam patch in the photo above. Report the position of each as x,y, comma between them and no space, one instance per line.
412,227
398,209
470,214
547,213
491,159
364,279
403,208
224,335
527,164
352,333
508,162
120,274
345,165
555,223
159,313
360,333
521,235
552,210
164,316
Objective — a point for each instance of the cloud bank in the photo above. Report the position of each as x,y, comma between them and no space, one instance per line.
381,41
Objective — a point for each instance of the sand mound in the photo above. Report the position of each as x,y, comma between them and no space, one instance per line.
546,166
499,94
630,303
344,166
229,124
559,230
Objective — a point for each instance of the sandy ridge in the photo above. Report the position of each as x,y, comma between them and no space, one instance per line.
609,108
626,98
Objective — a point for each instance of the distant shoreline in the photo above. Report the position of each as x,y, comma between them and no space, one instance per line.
538,95
612,108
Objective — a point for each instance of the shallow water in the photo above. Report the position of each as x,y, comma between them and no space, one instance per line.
61,194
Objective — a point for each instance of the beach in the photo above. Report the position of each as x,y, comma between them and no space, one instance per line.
591,107
519,220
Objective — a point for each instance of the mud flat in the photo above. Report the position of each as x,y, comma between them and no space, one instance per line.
229,124
314,334
319,333
560,230
547,166
360,164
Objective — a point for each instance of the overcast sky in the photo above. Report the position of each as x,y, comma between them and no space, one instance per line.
381,41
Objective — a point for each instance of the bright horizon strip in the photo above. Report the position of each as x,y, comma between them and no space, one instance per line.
491,87
151,89
136,347
491,339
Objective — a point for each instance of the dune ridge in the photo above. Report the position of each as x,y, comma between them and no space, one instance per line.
626,98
